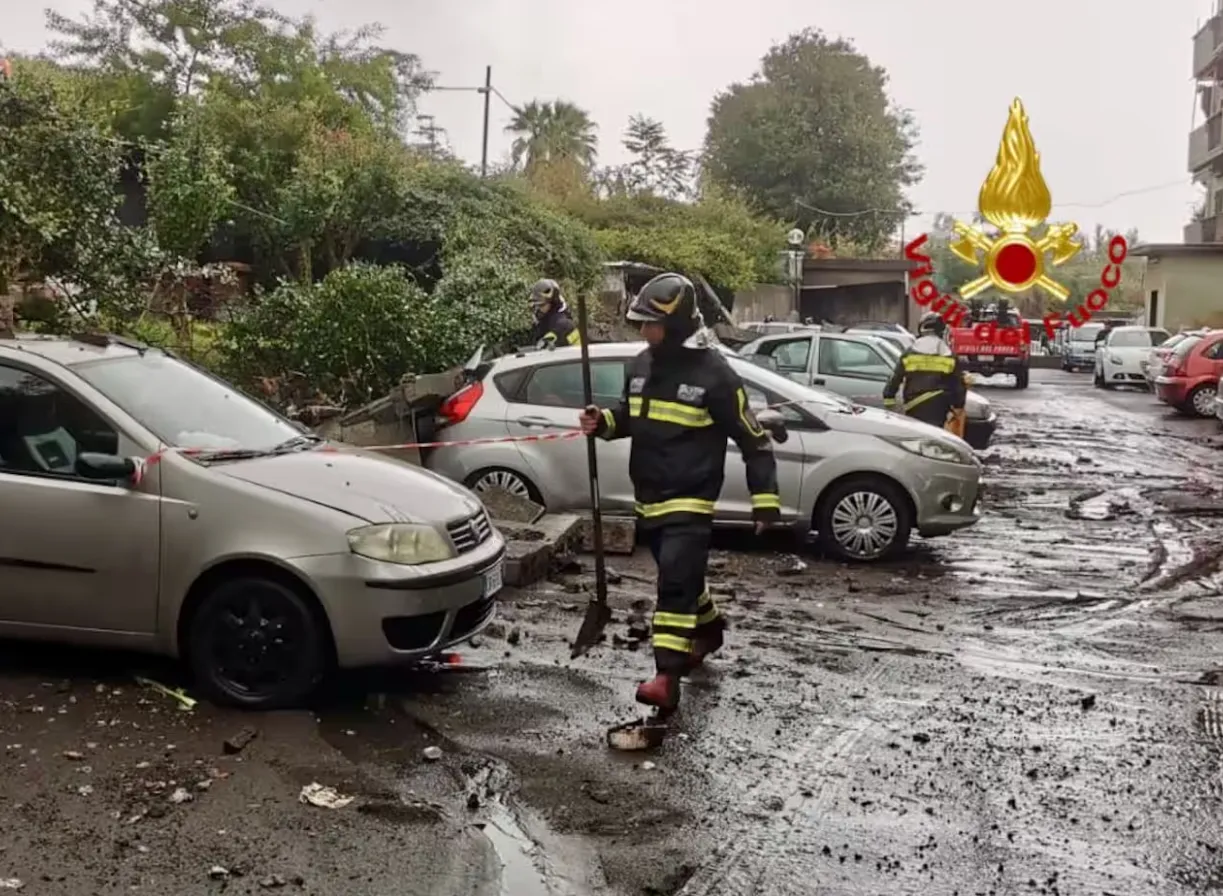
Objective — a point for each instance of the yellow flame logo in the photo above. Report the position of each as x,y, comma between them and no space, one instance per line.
1015,200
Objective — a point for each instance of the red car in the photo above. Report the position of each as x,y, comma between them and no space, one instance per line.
1191,374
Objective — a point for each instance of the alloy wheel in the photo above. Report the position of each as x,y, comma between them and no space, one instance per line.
504,480
254,642
864,524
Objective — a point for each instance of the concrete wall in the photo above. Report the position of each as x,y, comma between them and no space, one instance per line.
858,302
1189,290
762,300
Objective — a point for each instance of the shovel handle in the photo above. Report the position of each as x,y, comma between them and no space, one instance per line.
592,461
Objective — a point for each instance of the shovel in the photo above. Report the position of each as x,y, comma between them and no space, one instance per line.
598,613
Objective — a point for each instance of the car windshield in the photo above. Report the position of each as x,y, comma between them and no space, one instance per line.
185,407
1174,341
775,382
1086,334
1134,338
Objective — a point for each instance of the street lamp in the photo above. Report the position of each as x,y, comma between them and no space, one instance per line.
797,253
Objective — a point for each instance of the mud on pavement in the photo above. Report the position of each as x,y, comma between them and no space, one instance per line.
1031,706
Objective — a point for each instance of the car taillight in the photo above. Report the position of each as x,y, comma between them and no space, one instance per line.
458,406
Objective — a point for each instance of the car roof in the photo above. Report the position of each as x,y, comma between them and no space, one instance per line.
69,352
1135,328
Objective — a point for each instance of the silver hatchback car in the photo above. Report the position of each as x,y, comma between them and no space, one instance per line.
148,505
862,478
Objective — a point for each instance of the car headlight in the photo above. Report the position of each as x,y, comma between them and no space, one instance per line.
936,450
405,543
1113,359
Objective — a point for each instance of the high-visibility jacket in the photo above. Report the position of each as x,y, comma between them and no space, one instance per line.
932,380
679,412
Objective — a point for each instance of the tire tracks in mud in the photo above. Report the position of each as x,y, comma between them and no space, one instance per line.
761,858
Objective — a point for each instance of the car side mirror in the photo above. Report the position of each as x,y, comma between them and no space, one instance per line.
106,467
774,424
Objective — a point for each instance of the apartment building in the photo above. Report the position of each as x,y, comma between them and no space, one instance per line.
1206,140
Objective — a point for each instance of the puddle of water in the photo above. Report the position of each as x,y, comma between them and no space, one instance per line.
519,876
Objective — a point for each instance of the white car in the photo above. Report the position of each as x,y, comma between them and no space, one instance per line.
1121,358
861,478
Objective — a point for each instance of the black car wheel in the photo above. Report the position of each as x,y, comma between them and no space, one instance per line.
256,643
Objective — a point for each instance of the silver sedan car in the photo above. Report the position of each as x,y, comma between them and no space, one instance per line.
260,554
861,478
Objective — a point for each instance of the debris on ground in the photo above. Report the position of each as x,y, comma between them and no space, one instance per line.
433,754
236,743
177,694
324,797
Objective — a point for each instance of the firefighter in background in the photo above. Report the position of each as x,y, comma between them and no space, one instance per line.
681,402
554,325
934,384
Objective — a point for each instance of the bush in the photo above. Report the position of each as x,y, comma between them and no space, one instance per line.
350,337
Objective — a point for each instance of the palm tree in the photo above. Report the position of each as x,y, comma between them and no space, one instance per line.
552,132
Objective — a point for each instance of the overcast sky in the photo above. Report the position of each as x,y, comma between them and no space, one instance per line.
1107,83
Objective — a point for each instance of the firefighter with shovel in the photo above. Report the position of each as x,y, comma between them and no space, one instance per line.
681,402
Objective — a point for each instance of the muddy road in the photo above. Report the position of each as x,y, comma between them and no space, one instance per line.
1031,706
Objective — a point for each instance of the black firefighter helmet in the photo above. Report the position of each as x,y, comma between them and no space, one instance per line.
669,299
933,323
546,294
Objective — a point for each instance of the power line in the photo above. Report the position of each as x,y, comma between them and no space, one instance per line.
912,213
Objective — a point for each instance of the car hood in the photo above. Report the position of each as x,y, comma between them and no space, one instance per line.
976,407
1130,351
890,425
359,483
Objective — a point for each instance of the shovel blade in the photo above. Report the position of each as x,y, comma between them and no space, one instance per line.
598,614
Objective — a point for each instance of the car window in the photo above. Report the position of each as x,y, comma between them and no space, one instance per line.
1131,339
790,354
1182,351
1158,337
775,384
1085,334
840,357
44,428
1173,341
1214,352
560,385
184,406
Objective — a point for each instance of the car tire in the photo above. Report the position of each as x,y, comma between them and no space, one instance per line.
1021,379
1200,402
871,496
502,477
256,626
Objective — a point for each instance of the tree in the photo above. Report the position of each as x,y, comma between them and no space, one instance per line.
550,132
657,168
814,130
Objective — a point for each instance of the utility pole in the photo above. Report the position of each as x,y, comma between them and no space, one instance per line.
429,131
487,90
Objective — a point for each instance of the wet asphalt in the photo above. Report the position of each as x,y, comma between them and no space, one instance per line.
1030,706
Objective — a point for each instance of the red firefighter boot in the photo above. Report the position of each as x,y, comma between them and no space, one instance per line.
661,691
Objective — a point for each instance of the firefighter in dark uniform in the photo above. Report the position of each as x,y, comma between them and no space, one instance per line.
681,402
930,372
554,325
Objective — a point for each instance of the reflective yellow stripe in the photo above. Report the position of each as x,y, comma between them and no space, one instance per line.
676,505
766,502
675,620
748,423
704,600
928,363
609,421
681,414
672,642
549,337
708,616
634,406
575,338
922,399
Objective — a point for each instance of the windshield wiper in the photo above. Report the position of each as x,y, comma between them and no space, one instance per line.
297,443
220,455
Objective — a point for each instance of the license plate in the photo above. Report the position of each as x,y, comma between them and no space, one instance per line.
494,580
985,357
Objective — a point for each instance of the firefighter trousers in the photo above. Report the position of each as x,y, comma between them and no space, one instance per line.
685,614
933,411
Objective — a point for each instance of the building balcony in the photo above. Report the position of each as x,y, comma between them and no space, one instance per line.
1206,142
1208,49
1207,230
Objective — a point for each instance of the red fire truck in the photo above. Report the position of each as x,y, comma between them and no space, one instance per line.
994,339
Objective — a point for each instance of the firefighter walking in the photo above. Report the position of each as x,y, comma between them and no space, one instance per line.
934,389
554,324
681,402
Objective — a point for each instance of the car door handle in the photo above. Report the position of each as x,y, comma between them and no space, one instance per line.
534,421
818,381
